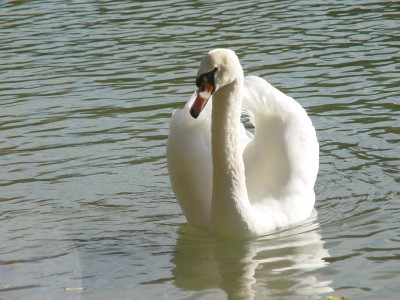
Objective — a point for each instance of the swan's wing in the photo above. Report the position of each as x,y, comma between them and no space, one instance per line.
189,163
281,162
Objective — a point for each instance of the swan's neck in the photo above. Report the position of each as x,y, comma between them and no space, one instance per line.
230,203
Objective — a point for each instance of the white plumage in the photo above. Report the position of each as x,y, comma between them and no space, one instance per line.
227,181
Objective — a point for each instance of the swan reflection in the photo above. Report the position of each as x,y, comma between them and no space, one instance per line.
273,265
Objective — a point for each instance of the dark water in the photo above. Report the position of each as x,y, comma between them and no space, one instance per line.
87,89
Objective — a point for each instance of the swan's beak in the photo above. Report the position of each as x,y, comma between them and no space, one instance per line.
203,94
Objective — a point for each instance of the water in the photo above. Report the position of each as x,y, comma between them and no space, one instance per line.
87,90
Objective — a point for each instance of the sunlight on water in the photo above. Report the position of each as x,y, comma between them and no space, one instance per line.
87,91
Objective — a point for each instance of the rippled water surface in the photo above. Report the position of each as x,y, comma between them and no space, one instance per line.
87,90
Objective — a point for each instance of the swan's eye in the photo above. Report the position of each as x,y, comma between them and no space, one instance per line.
207,77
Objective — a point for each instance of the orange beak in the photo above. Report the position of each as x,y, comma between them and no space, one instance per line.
203,94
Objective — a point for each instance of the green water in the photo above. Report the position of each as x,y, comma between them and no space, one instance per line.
86,92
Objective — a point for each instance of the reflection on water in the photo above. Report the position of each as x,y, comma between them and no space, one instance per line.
87,91
273,265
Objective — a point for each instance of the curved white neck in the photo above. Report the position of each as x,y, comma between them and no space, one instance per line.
230,203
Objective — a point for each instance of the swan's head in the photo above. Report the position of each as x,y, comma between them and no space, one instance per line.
217,69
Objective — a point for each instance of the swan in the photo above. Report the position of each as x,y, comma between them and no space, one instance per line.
226,180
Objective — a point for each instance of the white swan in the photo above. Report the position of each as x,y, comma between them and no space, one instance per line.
227,181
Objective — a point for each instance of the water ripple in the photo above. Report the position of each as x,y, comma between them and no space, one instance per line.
87,92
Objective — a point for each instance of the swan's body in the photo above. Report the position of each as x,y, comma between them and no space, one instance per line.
227,181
